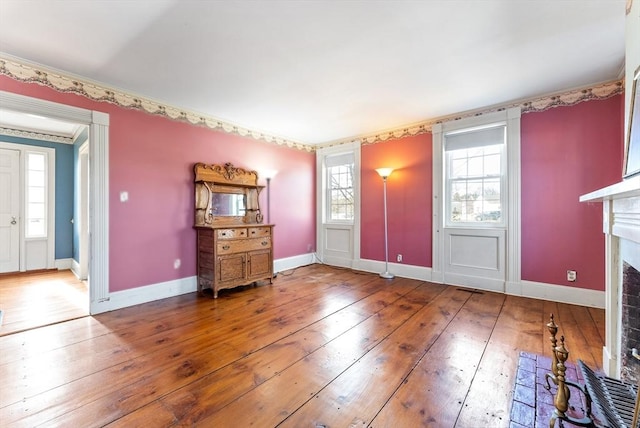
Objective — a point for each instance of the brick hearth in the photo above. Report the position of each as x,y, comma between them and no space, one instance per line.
532,403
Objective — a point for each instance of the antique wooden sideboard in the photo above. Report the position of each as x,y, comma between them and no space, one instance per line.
234,247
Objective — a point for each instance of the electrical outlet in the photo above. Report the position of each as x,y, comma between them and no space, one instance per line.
571,275
399,258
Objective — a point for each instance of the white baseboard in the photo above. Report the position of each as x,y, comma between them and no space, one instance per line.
536,290
405,271
75,268
557,293
437,277
476,282
163,290
281,265
149,293
63,264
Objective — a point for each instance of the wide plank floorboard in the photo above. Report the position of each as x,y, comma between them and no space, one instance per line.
322,346
517,328
36,299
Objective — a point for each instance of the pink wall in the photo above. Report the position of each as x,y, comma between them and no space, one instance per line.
152,158
409,192
567,152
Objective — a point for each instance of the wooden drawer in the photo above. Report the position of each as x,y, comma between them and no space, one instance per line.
232,233
242,245
255,232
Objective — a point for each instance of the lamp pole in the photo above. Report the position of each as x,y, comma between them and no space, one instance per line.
268,175
268,200
385,173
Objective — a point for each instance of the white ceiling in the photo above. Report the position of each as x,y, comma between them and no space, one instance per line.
325,70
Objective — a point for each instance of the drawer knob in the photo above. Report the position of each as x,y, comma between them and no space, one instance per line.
225,247
264,243
224,233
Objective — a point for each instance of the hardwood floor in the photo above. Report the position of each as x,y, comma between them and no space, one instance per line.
320,347
30,300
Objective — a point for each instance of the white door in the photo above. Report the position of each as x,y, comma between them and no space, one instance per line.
9,210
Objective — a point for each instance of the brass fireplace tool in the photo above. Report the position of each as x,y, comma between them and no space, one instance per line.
615,400
559,356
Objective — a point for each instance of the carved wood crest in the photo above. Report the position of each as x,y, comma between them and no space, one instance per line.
226,174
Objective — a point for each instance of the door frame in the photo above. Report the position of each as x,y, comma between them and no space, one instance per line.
512,249
98,123
23,241
344,236
83,211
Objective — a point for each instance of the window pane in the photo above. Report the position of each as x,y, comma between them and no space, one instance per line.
36,194
35,178
340,192
474,189
492,190
35,227
35,161
492,165
474,184
35,210
475,166
459,167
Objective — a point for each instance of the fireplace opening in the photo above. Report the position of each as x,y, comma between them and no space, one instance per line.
630,366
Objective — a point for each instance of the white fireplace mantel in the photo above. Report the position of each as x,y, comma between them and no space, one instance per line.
621,225
624,189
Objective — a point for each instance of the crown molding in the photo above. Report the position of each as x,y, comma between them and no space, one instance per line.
12,132
599,91
23,71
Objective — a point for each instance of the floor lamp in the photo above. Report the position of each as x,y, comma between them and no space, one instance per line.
269,174
385,173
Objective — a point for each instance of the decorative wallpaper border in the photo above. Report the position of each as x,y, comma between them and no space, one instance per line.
31,74
569,98
35,135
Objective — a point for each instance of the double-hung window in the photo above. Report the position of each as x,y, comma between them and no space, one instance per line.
339,186
475,176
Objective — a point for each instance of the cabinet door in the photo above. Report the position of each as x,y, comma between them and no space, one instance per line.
231,268
259,264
